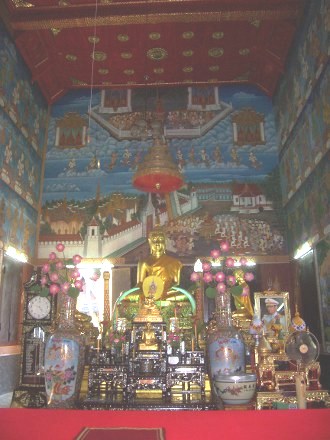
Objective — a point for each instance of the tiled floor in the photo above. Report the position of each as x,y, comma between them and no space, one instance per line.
5,400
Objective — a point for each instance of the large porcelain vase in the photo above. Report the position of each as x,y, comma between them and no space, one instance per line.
64,359
225,345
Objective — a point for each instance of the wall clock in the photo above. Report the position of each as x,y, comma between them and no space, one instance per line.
38,320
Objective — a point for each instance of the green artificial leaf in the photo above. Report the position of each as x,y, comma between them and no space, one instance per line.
44,291
236,290
211,292
73,292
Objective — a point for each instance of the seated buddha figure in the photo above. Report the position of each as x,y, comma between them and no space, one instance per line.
149,340
159,264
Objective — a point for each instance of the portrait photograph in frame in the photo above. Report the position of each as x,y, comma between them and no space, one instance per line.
274,311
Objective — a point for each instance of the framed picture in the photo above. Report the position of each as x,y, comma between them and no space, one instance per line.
273,309
322,256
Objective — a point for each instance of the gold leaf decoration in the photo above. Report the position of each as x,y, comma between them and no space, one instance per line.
93,39
188,69
214,68
256,23
55,31
157,54
216,52
103,71
154,36
122,37
22,4
158,70
126,55
70,57
188,53
188,35
99,56
129,72
244,52
218,35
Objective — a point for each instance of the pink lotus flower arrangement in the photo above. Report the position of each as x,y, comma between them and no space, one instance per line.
225,275
61,275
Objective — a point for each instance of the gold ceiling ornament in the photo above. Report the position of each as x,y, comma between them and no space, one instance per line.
187,35
98,56
187,69
188,53
158,70
103,71
214,68
22,4
129,72
93,39
55,31
244,52
70,57
78,82
218,35
154,36
256,23
157,54
122,37
64,3
216,52
126,55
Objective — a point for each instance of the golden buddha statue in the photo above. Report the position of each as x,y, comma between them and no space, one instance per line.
159,264
244,310
149,340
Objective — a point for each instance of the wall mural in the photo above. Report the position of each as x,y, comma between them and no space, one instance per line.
222,139
23,121
309,210
306,64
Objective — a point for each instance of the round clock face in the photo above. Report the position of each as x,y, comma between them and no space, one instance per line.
39,307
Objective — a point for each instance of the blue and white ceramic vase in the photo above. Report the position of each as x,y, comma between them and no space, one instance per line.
225,345
64,359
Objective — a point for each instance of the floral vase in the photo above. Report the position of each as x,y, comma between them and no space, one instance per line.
64,358
225,345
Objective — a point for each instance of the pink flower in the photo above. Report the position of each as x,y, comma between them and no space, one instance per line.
76,259
65,287
219,277
53,277
194,276
224,245
231,280
206,266
78,284
246,291
45,268
43,280
60,247
208,277
221,287
230,262
75,273
215,253
52,256
243,261
54,289
248,276
59,265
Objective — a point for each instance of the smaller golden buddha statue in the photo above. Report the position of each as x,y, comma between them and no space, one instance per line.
149,312
149,339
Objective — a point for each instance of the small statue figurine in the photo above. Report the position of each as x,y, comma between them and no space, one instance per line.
149,339
149,312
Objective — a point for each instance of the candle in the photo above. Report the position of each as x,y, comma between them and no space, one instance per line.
300,390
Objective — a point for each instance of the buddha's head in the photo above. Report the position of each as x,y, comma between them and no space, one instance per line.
157,242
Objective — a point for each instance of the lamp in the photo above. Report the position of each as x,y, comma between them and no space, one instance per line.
158,173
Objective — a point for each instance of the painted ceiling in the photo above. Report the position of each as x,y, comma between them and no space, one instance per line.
76,44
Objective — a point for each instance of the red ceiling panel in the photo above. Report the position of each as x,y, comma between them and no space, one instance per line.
76,43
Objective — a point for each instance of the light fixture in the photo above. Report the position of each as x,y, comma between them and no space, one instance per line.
302,251
16,255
